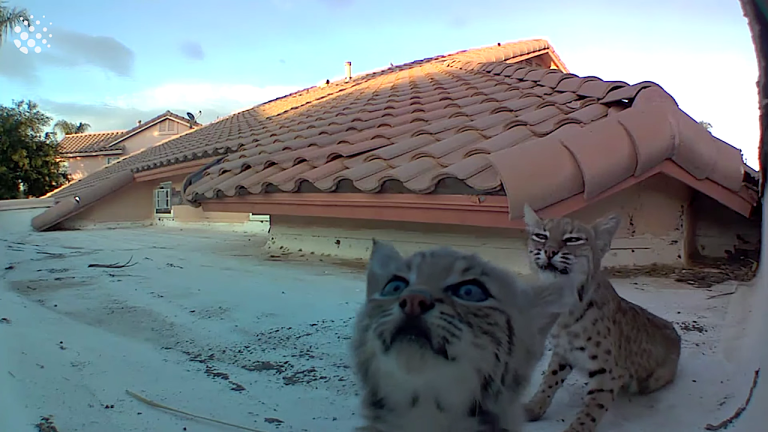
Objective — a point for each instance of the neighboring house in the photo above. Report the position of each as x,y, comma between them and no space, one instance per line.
444,150
85,153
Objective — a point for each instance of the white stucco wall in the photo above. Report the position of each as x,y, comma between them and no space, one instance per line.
653,231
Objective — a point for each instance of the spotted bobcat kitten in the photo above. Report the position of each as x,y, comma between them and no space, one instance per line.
446,342
618,344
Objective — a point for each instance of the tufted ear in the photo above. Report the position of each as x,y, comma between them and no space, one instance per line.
604,229
530,217
382,263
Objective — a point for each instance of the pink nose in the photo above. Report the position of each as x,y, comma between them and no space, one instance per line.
416,304
549,253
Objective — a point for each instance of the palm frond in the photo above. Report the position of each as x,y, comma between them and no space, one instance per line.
10,18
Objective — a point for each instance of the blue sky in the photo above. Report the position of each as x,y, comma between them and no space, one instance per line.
112,63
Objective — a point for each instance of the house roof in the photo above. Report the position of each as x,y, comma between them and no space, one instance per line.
101,142
89,142
151,122
231,133
461,126
469,123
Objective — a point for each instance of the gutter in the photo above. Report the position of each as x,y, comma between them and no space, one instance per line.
474,210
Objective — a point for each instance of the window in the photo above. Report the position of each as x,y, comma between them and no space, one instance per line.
112,159
163,200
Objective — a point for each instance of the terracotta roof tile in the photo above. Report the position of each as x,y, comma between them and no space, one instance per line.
88,142
450,124
489,133
104,141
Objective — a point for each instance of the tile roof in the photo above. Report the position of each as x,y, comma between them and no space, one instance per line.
152,121
87,142
231,133
466,126
94,142
473,122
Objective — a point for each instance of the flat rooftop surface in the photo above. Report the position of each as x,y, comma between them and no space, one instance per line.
206,323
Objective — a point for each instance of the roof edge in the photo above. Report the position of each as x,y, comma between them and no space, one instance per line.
151,122
480,210
115,152
72,205
97,133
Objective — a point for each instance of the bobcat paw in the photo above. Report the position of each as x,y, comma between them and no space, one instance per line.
533,412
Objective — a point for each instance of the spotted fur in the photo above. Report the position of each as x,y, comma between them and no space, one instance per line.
446,342
616,343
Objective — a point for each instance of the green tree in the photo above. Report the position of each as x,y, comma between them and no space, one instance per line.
29,164
707,125
10,18
67,128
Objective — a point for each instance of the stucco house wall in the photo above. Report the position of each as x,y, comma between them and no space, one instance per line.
142,195
129,206
654,230
153,135
718,230
81,166
186,213
134,205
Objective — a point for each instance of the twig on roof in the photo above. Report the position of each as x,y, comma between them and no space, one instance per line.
727,422
152,403
721,295
115,265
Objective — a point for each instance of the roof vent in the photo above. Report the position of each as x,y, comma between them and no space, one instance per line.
348,70
138,123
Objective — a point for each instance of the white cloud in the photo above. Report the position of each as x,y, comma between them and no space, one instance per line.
193,97
122,112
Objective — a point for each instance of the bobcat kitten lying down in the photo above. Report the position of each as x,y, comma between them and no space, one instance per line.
446,342
617,343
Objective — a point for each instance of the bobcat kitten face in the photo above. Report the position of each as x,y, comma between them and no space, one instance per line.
436,308
564,245
445,341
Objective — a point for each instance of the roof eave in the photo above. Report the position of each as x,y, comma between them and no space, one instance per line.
482,210
116,152
557,60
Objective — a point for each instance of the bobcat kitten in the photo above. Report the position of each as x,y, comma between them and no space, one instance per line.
446,342
617,343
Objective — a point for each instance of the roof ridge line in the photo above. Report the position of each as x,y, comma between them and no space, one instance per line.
94,133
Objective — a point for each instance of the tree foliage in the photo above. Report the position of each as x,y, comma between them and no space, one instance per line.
66,127
29,164
10,17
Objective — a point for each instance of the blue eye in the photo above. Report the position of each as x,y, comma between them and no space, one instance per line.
473,291
394,287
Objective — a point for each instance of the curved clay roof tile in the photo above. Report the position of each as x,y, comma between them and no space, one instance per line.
626,93
589,147
540,172
696,151
723,174
652,134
